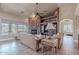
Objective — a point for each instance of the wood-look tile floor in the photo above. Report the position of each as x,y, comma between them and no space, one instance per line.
13,47
69,46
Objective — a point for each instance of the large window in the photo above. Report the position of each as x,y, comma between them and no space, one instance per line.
68,27
5,28
13,28
22,28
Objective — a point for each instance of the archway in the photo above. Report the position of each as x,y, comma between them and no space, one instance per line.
66,26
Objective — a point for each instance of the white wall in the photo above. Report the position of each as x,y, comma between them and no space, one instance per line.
67,11
76,22
77,18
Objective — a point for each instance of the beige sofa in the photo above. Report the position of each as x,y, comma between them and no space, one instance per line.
28,40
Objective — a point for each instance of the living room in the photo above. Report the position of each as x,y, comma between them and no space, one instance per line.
39,29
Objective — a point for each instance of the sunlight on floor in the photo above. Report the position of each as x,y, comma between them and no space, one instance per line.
13,47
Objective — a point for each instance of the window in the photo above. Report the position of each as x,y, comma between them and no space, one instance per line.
5,28
13,28
22,28
68,27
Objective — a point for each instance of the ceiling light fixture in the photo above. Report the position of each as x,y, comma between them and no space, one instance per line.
36,11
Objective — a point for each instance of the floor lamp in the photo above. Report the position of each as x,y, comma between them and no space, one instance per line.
50,27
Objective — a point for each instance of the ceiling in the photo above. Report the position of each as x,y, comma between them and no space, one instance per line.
27,9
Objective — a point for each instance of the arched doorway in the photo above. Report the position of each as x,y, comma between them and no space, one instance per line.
66,26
